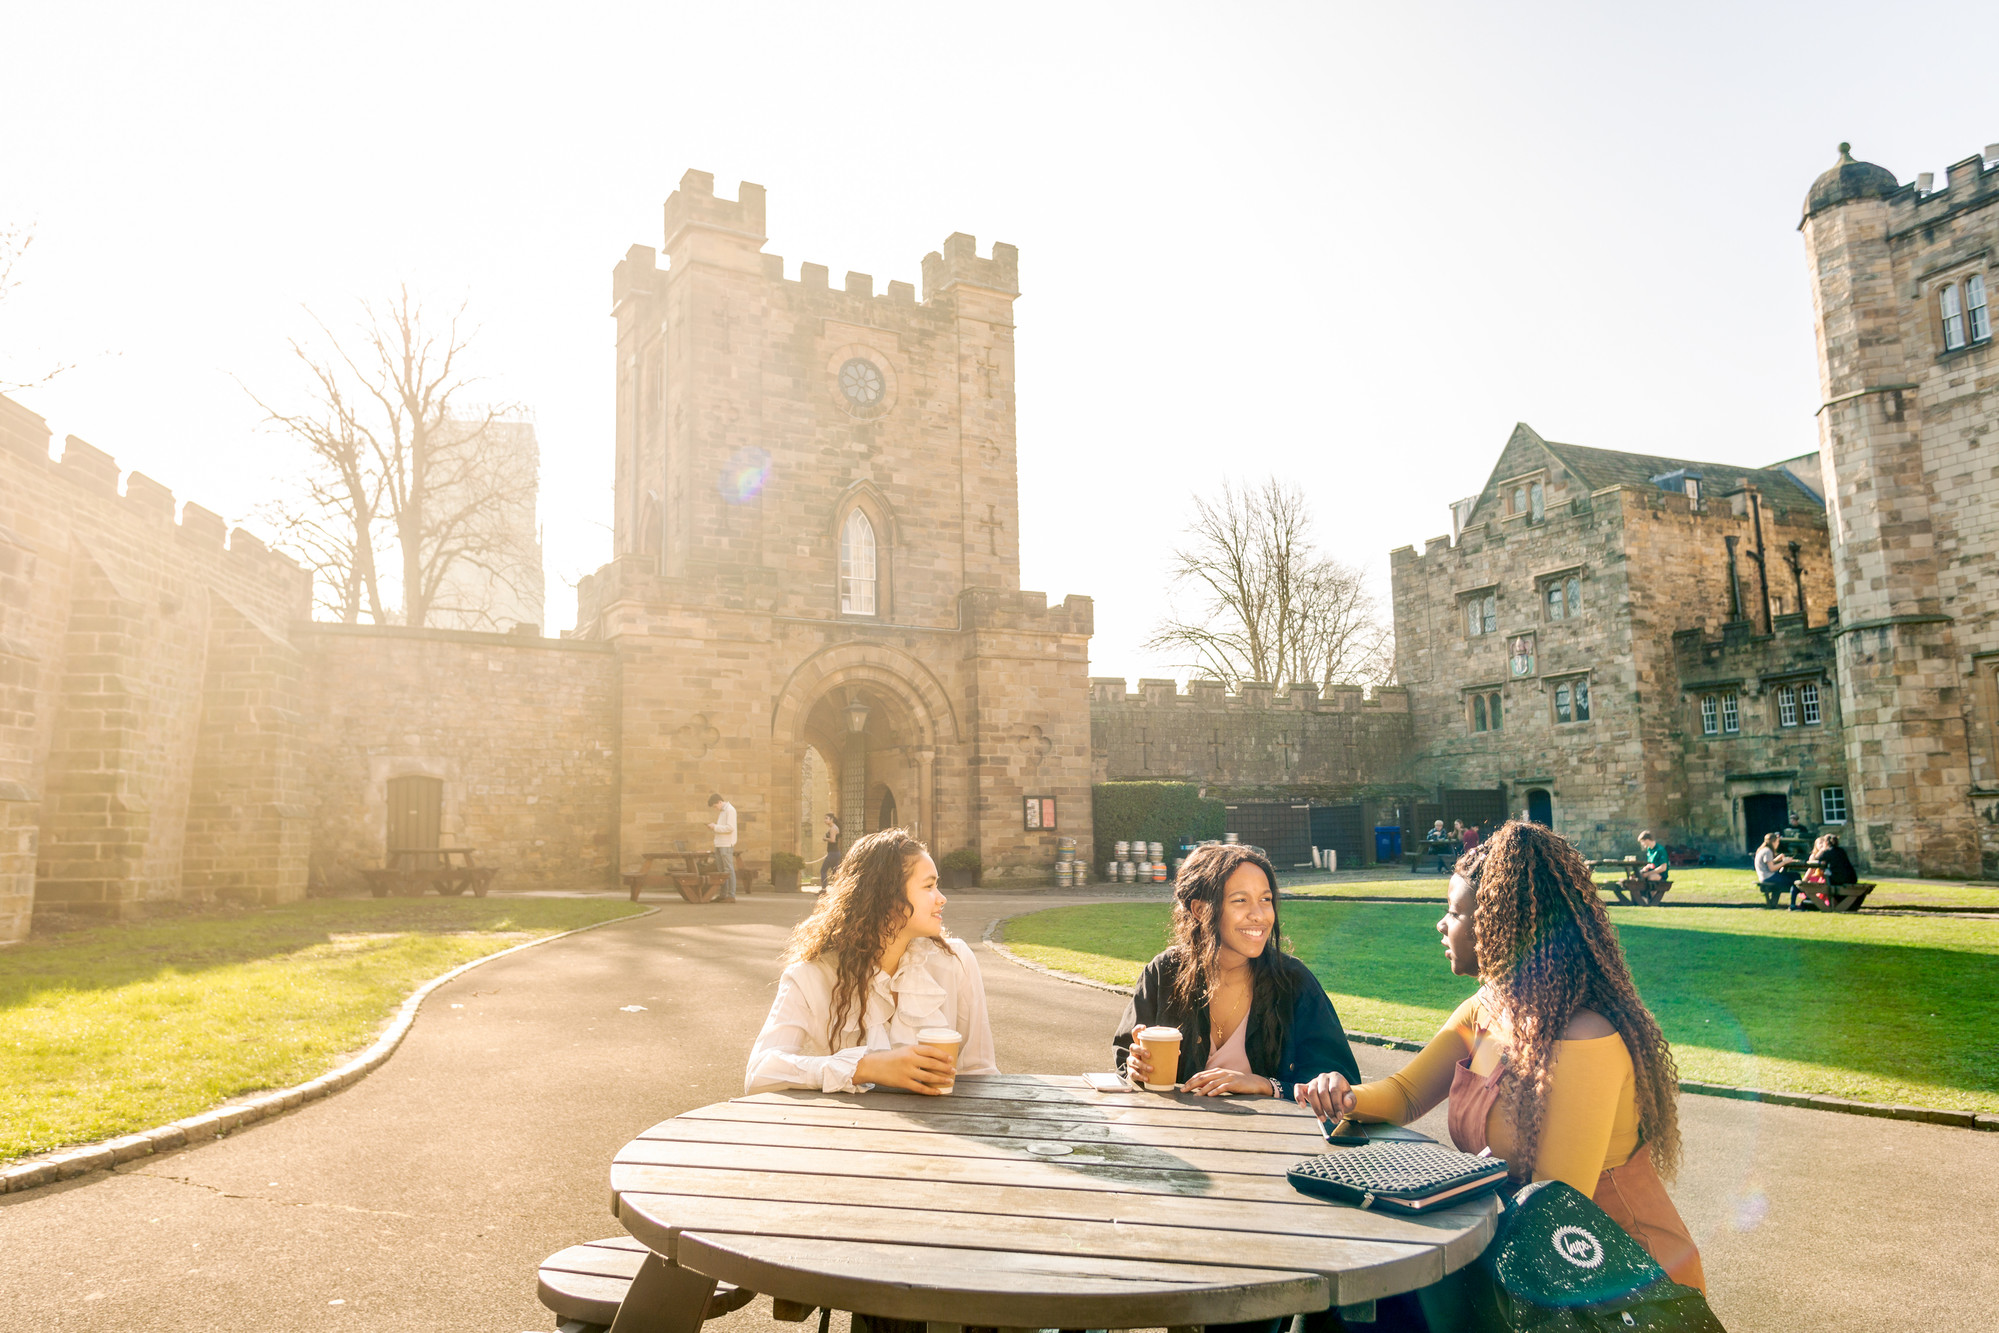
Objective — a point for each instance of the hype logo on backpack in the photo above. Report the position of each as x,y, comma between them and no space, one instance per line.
1561,1263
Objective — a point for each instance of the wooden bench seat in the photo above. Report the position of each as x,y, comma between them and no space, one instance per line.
585,1284
1636,890
1830,897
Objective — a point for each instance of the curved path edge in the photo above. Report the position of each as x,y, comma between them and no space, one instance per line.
74,1162
1809,1100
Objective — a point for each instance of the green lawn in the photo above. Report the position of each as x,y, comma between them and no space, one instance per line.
1884,1009
1691,887
120,1028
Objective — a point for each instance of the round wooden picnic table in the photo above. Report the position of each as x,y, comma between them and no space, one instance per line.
1018,1201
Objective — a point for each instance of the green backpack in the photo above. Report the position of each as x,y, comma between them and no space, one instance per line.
1559,1263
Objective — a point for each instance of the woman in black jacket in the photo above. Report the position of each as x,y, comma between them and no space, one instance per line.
1252,1018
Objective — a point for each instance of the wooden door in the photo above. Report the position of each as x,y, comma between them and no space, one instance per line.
1763,814
416,806
1541,808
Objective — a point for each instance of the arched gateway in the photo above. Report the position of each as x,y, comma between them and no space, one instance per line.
835,565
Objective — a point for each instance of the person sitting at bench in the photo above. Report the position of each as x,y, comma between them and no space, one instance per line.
1657,864
868,971
1772,872
1832,868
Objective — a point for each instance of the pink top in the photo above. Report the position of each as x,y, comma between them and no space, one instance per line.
1233,1053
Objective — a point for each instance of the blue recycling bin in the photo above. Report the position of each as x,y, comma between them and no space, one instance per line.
1387,843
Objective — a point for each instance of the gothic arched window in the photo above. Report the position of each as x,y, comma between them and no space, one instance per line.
857,566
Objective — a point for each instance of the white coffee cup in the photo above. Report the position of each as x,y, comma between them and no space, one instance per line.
1162,1044
946,1039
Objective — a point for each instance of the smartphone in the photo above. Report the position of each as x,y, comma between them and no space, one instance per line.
1351,1133
1107,1082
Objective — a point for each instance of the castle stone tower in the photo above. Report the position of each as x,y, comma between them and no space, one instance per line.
818,546
1914,510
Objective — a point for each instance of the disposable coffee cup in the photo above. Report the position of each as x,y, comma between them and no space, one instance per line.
1163,1045
944,1039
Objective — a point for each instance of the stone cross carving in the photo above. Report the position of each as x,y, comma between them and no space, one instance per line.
992,526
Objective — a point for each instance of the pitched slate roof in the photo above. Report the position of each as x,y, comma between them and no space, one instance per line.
1596,469
1607,467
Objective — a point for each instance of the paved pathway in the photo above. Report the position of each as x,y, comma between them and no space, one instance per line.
422,1198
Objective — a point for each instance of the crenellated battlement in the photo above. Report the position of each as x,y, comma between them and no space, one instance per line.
992,608
1792,648
1968,183
958,264
694,205
1251,696
92,471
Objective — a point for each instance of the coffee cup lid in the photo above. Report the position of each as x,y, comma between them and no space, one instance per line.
939,1034
1159,1034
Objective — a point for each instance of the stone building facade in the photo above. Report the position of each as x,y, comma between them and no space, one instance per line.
1254,738
149,693
1902,286
1626,641
817,535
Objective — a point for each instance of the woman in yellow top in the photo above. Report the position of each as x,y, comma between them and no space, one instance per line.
1555,1062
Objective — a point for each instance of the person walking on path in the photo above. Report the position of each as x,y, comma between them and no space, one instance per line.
832,861
724,829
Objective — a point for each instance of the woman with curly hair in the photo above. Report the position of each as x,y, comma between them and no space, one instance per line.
868,971
1252,1018
1555,1064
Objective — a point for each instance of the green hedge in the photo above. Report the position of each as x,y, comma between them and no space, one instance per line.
1168,813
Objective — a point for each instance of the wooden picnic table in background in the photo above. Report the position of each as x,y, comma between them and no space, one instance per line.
1827,897
1018,1201
699,880
408,871
1631,888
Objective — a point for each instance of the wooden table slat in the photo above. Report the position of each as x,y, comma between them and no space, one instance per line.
598,1261
1017,1290
1116,1167
733,1119
1369,1267
1028,1196
1270,1158
947,1115
988,1088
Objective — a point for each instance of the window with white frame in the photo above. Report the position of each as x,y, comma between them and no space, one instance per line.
857,566
1832,805
1965,313
1572,700
1731,714
1710,715
1481,614
1787,707
1808,703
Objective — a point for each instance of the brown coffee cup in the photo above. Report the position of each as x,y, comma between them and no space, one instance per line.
1162,1044
944,1039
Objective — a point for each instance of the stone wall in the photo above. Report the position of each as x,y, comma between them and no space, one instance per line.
1766,756
1905,428
1255,738
147,692
523,732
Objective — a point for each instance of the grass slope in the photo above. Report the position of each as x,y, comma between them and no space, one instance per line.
119,1028
1886,1009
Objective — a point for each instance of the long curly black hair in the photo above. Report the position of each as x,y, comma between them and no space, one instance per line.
857,916
1546,948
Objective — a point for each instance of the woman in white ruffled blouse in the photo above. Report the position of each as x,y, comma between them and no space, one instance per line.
869,969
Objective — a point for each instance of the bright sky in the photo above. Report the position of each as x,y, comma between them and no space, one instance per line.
1347,244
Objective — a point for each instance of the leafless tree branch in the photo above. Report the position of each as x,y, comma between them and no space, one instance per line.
1272,607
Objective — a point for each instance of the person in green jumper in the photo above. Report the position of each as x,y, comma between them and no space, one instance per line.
1657,862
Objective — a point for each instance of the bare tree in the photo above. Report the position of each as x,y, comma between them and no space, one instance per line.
14,243
1273,607
403,466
